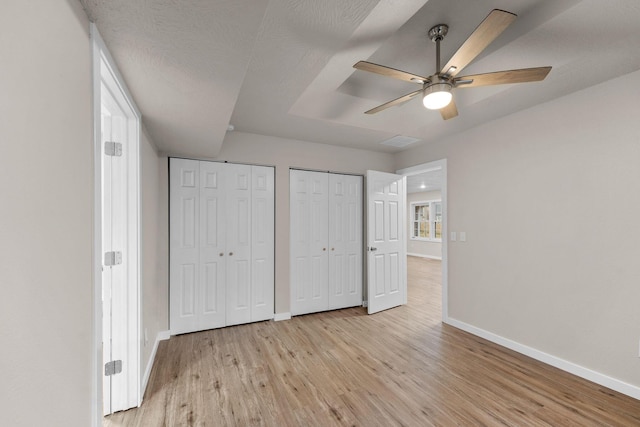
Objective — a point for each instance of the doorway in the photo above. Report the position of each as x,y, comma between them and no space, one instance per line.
423,219
116,385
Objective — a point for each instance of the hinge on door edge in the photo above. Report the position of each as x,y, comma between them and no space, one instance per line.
112,368
113,148
112,258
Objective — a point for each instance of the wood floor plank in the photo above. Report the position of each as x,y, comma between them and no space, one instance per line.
400,367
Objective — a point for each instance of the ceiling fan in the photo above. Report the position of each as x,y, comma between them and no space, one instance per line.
436,89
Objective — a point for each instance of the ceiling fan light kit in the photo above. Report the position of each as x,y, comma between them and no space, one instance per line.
437,89
437,95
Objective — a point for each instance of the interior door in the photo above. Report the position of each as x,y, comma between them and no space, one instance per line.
386,243
309,241
238,254
345,241
106,270
115,266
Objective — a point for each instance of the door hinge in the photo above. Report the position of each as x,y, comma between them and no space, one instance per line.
113,148
112,368
112,258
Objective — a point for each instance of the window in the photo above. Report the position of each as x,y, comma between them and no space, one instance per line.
426,220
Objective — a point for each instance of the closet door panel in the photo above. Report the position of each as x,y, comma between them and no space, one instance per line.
238,251
262,243
212,244
309,241
184,245
345,241
354,240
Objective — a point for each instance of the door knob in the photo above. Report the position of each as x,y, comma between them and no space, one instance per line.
324,249
333,249
230,253
221,253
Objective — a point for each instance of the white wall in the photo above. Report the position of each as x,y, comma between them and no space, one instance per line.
285,153
46,217
547,263
416,247
550,200
153,248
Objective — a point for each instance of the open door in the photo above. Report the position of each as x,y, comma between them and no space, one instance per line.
386,241
119,268
117,245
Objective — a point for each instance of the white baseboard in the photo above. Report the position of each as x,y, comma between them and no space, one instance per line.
425,256
281,316
162,335
572,368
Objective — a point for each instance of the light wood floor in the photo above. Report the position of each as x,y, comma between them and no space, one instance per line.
401,367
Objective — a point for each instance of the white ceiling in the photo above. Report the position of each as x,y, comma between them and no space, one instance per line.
284,67
430,180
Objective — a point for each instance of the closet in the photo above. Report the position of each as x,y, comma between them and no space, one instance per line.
325,241
221,250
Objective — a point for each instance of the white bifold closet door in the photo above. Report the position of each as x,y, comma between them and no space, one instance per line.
238,244
221,244
345,241
201,295
326,241
309,200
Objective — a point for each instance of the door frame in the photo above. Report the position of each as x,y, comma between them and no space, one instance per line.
103,64
431,167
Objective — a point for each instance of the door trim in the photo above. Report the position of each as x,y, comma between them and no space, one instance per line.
429,167
102,58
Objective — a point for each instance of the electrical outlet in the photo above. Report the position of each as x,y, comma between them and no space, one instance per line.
463,236
146,337
453,236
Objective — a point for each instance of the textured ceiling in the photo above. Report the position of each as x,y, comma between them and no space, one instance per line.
284,67
184,65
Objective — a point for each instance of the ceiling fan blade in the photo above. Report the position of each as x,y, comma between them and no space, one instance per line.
450,111
488,30
396,101
522,75
390,72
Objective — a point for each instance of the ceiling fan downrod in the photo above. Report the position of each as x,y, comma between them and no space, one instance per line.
436,34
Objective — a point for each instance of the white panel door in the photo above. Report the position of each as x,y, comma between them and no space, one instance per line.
309,241
345,241
262,243
387,272
107,245
119,222
211,295
120,393
118,390
184,245
238,251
